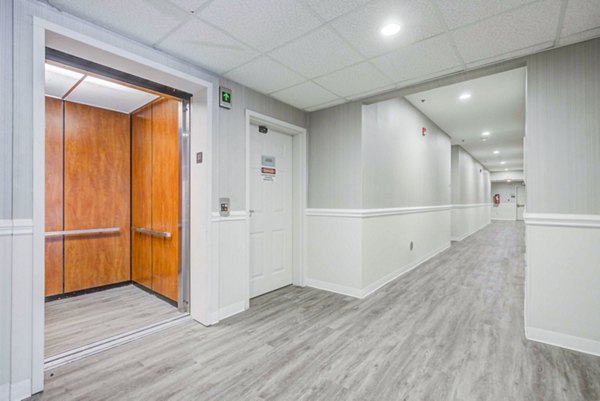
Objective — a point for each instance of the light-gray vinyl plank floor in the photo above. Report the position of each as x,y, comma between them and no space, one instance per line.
81,320
452,329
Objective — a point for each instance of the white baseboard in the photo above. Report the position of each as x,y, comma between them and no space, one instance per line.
462,237
503,219
231,310
21,390
563,340
332,287
371,288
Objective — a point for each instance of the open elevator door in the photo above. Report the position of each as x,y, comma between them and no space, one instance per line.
159,200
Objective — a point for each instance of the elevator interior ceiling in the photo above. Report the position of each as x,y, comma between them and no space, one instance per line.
80,87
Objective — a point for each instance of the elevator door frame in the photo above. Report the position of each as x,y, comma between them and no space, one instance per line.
204,275
184,111
183,273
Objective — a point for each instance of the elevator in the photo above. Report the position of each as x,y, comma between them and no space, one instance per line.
116,206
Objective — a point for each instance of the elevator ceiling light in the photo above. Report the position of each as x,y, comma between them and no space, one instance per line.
496,152
465,96
390,29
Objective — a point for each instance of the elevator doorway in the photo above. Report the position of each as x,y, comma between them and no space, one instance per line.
116,205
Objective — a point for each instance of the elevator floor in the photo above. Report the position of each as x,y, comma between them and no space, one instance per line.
82,320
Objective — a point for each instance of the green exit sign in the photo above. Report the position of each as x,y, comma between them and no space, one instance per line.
225,100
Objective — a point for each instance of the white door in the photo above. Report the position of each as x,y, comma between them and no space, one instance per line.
270,211
521,200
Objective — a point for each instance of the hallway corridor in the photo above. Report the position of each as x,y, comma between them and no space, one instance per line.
452,329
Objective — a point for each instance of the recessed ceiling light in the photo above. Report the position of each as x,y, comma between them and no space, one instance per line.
483,139
465,96
486,133
508,180
390,29
496,152
505,169
502,162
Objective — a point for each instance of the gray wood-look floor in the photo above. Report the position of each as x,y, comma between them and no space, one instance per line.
82,320
451,329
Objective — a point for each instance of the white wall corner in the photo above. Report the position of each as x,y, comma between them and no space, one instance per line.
333,287
231,310
20,391
371,288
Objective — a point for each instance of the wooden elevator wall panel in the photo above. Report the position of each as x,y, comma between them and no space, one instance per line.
165,196
141,195
54,196
96,195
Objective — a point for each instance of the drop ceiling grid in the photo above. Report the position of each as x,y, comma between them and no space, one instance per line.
236,39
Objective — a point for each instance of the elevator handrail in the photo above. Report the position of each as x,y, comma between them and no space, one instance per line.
83,232
163,234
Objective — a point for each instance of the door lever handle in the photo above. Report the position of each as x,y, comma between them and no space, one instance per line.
250,212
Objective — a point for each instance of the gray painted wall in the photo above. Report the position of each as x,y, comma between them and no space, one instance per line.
563,130
402,168
231,181
5,190
334,158
470,180
6,101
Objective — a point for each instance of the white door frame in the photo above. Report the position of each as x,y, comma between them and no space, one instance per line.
299,195
203,275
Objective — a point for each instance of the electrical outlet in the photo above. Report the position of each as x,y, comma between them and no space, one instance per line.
411,245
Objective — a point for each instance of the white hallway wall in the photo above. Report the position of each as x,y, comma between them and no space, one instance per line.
391,188
470,194
507,209
563,192
16,180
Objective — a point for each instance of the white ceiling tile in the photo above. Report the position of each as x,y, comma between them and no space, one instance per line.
497,105
206,46
362,26
305,95
189,5
329,9
264,75
263,24
421,59
462,12
326,105
353,80
372,92
144,20
60,80
581,15
109,95
517,29
318,53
